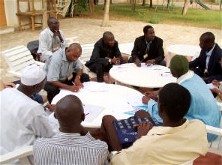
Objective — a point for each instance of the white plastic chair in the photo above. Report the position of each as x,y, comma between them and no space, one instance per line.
71,40
86,54
18,58
20,155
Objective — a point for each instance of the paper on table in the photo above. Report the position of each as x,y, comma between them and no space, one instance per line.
92,112
211,86
136,108
96,87
134,99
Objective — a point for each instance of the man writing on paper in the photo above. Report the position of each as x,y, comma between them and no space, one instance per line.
65,71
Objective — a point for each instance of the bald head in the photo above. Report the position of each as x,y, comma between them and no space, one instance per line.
69,112
73,52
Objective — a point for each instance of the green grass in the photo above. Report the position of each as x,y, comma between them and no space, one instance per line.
160,14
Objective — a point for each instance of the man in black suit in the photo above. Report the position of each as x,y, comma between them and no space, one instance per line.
207,65
148,48
105,54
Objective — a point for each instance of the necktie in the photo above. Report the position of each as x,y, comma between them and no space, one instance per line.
207,60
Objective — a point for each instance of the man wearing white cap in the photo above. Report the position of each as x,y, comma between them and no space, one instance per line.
23,120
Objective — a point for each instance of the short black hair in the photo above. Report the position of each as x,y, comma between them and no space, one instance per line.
145,29
107,34
176,101
208,37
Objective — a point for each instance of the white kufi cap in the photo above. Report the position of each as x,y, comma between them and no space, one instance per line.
32,75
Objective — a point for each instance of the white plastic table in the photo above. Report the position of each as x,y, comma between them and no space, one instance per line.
101,99
190,51
154,76
185,50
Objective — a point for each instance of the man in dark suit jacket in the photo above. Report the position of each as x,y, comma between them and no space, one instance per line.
105,54
207,65
148,48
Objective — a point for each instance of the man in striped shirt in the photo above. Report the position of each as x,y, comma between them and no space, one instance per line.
73,145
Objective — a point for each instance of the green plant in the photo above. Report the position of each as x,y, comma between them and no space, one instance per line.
160,14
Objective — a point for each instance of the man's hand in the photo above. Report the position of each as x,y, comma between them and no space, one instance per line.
216,83
57,33
50,107
145,99
143,128
151,94
74,88
137,62
150,62
77,82
115,61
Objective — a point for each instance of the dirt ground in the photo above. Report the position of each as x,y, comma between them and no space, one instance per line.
89,31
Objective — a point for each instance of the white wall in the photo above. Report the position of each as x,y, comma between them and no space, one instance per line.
10,12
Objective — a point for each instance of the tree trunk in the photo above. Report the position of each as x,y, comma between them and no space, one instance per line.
151,3
106,14
168,3
144,2
91,6
133,5
185,7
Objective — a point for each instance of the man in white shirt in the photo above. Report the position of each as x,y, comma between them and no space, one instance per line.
51,39
23,120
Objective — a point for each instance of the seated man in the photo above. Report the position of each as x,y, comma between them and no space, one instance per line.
73,144
65,71
207,65
50,40
23,120
172,143
203,105
105,54
148,48
217,90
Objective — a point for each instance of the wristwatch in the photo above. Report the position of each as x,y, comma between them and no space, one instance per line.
110,60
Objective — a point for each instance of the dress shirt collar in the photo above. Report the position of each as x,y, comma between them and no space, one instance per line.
64,58
50,32
210,52
186,76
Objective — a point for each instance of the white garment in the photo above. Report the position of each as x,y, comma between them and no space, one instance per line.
22,120
208,54
46,43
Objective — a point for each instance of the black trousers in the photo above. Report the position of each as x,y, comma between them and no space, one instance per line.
52,91
99,69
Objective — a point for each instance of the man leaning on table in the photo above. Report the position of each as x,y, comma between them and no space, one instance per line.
203,105
65,71
23,120
73,144
148,48
207,65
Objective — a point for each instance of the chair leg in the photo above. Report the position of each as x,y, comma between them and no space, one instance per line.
20,23
33,22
